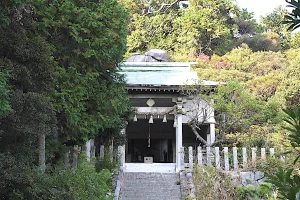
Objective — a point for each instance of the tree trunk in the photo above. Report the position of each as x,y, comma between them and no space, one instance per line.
75,157
42,150
67,159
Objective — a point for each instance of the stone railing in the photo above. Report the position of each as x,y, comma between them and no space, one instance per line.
223,158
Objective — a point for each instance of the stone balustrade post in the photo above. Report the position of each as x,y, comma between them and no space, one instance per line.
200,155
101,153
208,156
245,159
217,152
235,159
272,152
253,155
263,153
226,158
191,157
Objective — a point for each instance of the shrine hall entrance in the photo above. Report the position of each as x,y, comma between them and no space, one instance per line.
156,140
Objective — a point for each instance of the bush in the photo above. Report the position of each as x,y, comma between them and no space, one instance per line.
211,183
72,184
264,191
105,163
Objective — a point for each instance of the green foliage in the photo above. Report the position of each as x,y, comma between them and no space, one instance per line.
88,39
105,163
273,21
269,41
212,184
295,41
241,108
262,192
288,184
293,120
75,184
201,28
4,101
289,87
245,22
292,18
60,68
19,181
27,59
265,86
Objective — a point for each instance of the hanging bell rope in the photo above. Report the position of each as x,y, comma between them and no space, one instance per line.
149,137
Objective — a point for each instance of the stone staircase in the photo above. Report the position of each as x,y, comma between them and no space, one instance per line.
150,186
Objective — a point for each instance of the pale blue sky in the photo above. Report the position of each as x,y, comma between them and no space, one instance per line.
260,7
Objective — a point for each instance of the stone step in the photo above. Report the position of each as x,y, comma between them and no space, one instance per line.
150,186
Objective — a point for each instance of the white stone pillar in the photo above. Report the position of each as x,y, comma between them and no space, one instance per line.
263,153
226,158
245,159
123,153
178,141
235,159
111,153
88,150
208,139
218,163
272,151
282,157
200,156
120,151
208,156
212,133
253,154
191,157
101,151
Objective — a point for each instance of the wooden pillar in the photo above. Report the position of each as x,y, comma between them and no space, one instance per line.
178,141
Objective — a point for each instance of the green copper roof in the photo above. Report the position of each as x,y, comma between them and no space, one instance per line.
159,73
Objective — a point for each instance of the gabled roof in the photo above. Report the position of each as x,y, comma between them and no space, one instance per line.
160,74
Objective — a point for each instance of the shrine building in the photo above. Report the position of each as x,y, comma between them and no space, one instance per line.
160,124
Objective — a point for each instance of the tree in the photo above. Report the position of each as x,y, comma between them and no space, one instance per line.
235,109
295,41
287,183
292,18
88,39
290,84
245,22
4,100
203,27
273,21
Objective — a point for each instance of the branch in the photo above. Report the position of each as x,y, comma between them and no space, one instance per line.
197,134
164,7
